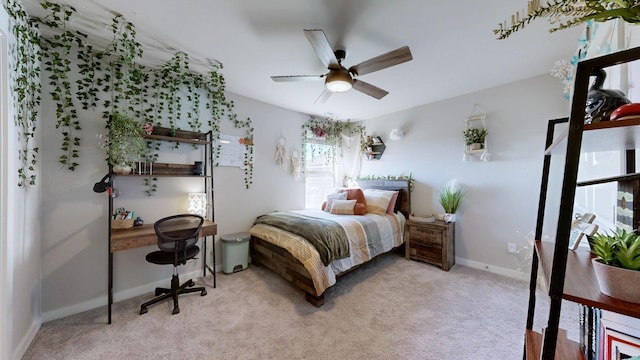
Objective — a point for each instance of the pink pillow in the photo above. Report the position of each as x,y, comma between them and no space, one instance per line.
392,203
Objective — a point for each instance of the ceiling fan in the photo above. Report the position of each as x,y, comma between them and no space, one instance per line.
341,79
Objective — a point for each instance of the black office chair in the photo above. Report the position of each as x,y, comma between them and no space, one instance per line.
177,244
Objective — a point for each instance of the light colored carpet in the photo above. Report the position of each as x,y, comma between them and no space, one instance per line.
390,309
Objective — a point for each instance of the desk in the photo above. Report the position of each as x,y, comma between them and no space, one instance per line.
145,235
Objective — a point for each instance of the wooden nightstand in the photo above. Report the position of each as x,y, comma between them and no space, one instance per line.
432,242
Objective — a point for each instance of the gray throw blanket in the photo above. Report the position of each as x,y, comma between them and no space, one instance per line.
327,236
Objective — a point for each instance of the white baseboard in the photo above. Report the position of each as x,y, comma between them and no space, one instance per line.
117,296
493,269
22,347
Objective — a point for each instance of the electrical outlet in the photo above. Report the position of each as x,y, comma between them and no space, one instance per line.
511,248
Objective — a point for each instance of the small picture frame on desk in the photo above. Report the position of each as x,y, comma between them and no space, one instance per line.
579,228
620,346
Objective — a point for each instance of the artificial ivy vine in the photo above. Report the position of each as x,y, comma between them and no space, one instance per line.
330,132
58,51
147,94
24,80
218,107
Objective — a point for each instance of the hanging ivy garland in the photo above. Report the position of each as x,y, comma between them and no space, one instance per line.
57,50
24,80
329,132
152,95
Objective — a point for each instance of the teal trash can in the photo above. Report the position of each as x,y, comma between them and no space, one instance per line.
235,252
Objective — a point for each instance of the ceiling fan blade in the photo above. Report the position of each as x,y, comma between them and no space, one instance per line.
288,78
369,89
323,97
320,44
395,57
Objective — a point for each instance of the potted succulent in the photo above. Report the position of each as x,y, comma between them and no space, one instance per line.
474,138
450,198
617,264
125,144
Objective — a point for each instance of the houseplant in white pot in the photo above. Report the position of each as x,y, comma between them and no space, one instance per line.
125,144
450,198
617,264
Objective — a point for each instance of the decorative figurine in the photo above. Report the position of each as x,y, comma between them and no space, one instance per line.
601,102
147,127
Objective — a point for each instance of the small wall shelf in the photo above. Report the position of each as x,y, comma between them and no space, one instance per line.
164,134
374,149
479,149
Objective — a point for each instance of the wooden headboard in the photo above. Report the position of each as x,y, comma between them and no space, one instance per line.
402,185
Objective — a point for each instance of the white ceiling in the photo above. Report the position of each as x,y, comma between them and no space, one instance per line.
454,49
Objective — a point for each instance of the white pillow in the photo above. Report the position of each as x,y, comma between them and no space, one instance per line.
343,207
333,197
377,200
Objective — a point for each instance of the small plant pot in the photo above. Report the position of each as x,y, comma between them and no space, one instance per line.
617,282
475,146
122,169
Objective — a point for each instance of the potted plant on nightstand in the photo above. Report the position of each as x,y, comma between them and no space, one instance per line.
617,264
474,138
450,198
125,144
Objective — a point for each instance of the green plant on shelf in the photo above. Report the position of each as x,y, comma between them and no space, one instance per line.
475,135
125,144
619,248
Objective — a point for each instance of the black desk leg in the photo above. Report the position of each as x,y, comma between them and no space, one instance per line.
110,286
204,263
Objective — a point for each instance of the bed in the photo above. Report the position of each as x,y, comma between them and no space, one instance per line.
292,254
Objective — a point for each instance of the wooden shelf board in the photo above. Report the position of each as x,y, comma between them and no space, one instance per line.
580,284
164,169
475,152
184,136
626,177
176,139
565,348
163,175
611,135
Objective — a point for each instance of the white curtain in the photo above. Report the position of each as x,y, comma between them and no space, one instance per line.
351,161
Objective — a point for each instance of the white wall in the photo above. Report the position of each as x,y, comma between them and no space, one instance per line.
502,195
20,230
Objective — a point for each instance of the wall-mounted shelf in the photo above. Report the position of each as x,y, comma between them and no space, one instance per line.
374,150
148,168
479,148
184,136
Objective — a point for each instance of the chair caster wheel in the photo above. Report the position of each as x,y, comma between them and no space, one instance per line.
143,311
203,293
176,310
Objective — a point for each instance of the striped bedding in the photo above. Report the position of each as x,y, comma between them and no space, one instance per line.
368,236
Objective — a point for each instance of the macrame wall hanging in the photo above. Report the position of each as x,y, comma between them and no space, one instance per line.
295,164
281,151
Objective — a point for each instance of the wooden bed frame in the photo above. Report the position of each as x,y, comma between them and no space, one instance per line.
280,261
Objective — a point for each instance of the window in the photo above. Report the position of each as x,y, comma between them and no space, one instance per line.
319,172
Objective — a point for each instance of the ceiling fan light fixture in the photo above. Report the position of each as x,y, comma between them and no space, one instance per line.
338,81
